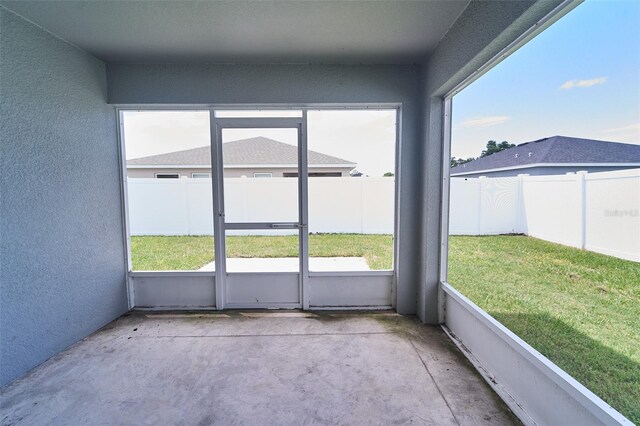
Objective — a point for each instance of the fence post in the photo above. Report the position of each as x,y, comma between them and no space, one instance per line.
582,207
244,191
481,181
521,212
184,189
362,214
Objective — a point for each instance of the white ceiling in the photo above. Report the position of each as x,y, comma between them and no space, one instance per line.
277,31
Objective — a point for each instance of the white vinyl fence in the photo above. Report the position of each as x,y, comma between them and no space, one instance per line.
597,211
336,205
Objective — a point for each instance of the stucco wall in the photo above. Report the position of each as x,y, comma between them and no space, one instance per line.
302,84
62,272
483,30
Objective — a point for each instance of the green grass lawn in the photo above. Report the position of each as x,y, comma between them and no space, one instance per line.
188,253
580,309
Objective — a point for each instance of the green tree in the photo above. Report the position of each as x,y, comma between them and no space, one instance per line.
388,174
457,161
493,147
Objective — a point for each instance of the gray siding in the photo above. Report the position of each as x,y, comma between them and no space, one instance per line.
277,172
62,273
540,171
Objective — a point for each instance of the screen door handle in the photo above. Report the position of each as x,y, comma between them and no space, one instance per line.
284,225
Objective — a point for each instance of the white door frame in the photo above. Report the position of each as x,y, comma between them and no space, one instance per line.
220,226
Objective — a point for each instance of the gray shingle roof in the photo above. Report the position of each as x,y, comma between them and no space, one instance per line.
555,150
253,151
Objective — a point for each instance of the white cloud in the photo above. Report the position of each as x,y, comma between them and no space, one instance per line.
627,134
583,83
629,128
492,120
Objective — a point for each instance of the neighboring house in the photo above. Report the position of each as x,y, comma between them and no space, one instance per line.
255,157
552,156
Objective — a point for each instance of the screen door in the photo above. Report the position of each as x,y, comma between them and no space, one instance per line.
259,197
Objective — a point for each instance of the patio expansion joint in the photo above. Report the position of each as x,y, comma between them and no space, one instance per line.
267,335
424,364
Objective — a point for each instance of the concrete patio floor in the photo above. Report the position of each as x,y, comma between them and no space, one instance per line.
273,367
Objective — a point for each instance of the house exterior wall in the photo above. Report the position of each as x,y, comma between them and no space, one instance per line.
131,84
279,172
62,272
542,171
150,173
233,172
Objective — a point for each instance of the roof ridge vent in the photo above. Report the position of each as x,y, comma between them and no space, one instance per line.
535,141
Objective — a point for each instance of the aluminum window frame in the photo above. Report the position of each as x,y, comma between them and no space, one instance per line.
264,175
206,175
120,109
397,175
157,175
447,103
503,385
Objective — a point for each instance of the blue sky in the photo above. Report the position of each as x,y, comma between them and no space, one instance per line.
366,137
580,77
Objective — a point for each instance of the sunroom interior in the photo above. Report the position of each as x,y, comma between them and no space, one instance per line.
85,337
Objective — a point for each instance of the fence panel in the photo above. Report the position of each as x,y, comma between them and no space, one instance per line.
377,205
485,206
552,208
464,202
612,214
199,207
499,206
261,200
162,207
599,211
336,205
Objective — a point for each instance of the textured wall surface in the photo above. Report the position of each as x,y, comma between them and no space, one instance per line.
62,273
302,84
479,34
